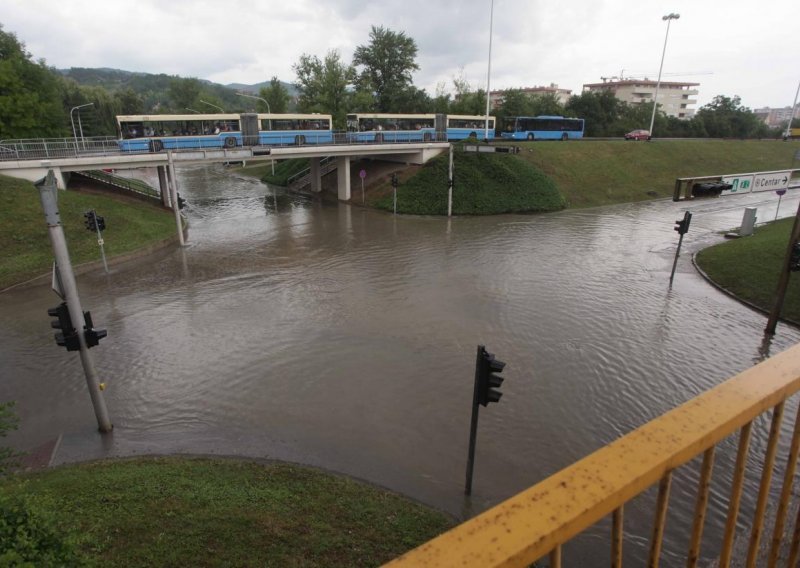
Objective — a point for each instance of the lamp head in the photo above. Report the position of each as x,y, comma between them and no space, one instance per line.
671,17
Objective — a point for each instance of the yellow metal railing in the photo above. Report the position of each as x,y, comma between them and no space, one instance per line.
537,522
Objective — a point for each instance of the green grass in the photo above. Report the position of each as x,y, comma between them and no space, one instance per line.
25,241
592,173
750,266
202,512
484,184
283,171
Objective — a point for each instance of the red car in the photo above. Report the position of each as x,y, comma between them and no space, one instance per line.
638,135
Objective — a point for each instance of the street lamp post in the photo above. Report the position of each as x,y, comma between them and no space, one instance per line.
257,98
489,73
215,106
72,120
668,18
791,115
269,122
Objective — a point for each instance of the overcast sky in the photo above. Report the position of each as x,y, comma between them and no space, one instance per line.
731,47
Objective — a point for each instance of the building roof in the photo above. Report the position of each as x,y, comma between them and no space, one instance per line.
633,82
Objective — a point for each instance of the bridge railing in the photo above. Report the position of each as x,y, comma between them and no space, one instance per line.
539,521
53,148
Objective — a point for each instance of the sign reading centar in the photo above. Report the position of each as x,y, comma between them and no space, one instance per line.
771,181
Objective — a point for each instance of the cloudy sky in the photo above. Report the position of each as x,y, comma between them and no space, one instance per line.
733,47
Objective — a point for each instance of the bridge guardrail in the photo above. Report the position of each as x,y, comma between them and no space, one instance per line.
54,148
540,520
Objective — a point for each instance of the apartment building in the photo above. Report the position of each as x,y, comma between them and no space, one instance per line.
674,98
777,117
496,97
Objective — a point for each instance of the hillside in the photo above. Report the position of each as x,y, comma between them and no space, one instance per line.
153,88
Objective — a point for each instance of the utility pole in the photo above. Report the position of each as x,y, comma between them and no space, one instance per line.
783,280
450,185
49,197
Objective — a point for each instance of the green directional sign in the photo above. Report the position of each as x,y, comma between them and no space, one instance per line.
739,184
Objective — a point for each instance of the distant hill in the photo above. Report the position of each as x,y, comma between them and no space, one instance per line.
154,88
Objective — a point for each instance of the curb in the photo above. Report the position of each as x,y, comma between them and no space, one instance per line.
736,297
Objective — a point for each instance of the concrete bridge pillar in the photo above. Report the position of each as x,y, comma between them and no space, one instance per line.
343,177
163,185
316,175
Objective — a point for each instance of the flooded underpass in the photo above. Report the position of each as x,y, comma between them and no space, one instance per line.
344,338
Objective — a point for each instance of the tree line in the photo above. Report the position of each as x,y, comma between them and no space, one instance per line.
36,100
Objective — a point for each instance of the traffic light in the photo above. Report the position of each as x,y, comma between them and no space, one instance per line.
93,336
394,180
91,220
181,202
682,225
101,222
488,381
67,337
794,260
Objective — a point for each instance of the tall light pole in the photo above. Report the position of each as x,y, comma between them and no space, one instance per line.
72,120
791,115
269,122
257,98
489,73
668,18
215,106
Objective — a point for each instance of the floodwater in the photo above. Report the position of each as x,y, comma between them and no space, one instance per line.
345,338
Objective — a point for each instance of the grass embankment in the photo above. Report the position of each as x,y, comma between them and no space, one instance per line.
201,512
592,173
749,267
284,169
485,184
25,242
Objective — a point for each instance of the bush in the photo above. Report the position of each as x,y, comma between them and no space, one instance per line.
28,536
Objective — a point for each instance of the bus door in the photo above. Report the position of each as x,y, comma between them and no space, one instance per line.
440,125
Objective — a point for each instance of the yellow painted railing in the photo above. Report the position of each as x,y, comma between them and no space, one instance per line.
537,522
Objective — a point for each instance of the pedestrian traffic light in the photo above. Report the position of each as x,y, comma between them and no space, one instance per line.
91,220
92,335
794,259
100,221
67,337
488,382
682,225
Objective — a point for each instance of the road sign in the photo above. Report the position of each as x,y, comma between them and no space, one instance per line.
362,174
771,181
739,184
780,191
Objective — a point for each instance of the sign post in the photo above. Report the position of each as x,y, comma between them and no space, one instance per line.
363,174
780,193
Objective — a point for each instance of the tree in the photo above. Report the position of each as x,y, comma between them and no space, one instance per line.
184,93
467,101
726,117
600,111
324,85
276,95
387,62
30,104
129,102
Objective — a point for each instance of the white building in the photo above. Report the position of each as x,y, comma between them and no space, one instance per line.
674,98
775,117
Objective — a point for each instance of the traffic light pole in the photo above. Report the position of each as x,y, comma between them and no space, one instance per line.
48,196
450,184
473,428
783,281
173,183
675,263
682,226
100,241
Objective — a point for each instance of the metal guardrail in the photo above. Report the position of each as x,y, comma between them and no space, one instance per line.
538,521
53,148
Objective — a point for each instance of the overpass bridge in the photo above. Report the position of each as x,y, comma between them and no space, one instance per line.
31,159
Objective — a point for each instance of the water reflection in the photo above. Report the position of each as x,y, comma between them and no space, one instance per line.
296,329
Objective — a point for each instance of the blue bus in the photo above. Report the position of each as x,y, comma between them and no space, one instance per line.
383,127
542,128
154,133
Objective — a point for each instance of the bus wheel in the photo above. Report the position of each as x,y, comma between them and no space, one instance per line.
530,136
565,137
230,142
156,145
427,137
300,140
379,138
